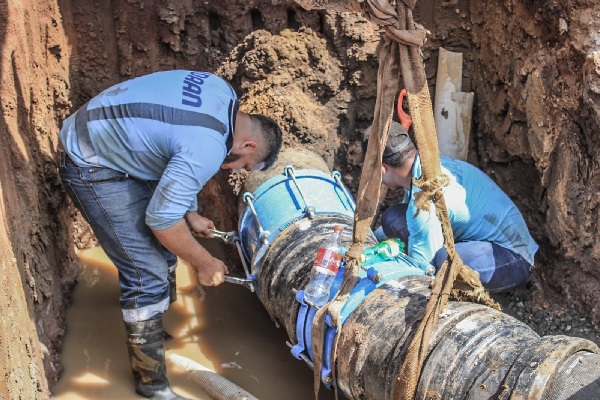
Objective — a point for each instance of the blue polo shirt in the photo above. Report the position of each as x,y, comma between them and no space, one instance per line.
478,211
175,127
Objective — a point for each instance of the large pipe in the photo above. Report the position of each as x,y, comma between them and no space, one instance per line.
475,351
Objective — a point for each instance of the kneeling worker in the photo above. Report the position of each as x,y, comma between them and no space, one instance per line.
133,160
490,233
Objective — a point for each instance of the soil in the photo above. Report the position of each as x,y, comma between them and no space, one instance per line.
534,67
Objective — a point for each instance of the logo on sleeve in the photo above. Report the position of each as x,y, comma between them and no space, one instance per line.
192,88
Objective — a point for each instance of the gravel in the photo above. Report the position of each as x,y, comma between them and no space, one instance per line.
546,314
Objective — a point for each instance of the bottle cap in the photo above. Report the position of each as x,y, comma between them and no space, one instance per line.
339,228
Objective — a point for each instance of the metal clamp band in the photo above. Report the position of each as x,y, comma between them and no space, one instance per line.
264,235
238,245
337,177
288,170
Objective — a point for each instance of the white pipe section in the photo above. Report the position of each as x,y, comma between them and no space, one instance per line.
212,383
453,108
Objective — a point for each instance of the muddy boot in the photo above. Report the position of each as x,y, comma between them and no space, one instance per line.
147,356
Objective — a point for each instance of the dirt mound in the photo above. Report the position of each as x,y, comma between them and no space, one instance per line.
294,79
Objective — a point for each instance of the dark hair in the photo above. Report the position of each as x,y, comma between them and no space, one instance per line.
397,148
273,138
400,158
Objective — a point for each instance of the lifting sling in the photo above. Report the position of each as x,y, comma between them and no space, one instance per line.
400,54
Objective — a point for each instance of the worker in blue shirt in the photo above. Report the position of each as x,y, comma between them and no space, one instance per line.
133,160
490,233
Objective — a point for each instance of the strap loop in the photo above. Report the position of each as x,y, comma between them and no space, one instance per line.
431,190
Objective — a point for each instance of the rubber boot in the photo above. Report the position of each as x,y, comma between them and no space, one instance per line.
147,357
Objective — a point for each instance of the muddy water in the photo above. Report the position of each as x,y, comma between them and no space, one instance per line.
224,328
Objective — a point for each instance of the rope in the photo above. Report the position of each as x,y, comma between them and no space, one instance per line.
366,204
430,190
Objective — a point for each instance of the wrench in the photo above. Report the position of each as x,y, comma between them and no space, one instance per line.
227,237
247,283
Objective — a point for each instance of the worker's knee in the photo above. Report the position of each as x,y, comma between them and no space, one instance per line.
511,270
499,269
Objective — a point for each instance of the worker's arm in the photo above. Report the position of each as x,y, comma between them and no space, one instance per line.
426,236
179,240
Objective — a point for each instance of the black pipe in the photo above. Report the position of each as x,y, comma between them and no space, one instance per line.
475,352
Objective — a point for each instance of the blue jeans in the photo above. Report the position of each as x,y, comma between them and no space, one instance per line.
499,269
114,205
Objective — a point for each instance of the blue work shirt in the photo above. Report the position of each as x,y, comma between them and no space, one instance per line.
478,211
175,127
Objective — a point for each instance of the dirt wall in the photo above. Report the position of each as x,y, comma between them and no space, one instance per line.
533,65
536,82
36,259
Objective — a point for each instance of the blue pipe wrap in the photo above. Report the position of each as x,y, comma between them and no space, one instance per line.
385,271
282,201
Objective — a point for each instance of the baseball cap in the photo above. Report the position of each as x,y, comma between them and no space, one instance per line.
397,139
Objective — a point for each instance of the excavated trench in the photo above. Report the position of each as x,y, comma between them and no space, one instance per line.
534,67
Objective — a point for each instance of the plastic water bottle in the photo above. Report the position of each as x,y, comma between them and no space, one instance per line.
325,267
385,250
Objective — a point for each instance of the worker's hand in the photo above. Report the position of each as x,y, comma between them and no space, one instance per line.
211,273
178,239
199,226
